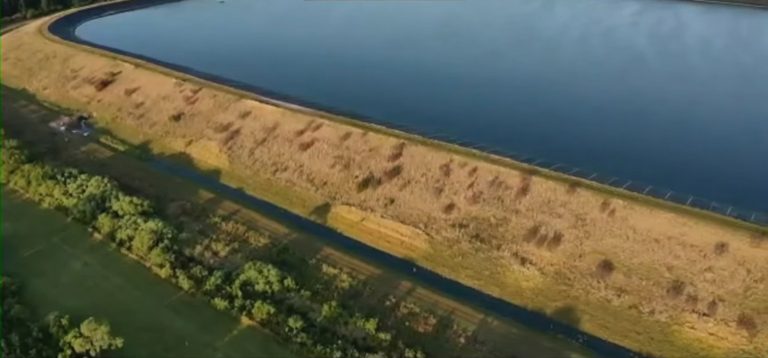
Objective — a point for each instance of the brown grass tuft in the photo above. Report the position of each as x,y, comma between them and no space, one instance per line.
445,169
131,90
521,259
573,188
721,248
230,136
532,233
244,114
102,83
345,137
748,323
475,198
176,117
304,130
712,307
758,239
304,146
525,187
370,181
393,172
676,289
555,241
605,205
605,269
107,79
691,300
316,127
190,100
222,127
449,208
396,153
438,190
472,172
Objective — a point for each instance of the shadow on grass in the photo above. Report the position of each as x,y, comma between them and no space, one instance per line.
567,314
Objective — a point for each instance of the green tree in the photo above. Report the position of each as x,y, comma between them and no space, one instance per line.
21,336
262,278
214,282
126,205
262,311
90,339
294,324
329,310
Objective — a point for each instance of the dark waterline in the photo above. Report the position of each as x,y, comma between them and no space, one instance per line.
664,92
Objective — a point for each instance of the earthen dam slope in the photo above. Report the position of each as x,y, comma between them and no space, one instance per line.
650,276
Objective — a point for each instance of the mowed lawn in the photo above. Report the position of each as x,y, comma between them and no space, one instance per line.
63,269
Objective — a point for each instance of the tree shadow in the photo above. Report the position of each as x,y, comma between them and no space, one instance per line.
567,314
321,212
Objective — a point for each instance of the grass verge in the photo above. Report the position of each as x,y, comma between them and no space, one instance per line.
64,270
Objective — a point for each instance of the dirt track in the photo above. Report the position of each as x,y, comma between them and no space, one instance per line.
533,241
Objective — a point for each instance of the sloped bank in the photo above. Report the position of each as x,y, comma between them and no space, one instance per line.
651,279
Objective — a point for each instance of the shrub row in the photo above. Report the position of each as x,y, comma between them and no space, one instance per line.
300,301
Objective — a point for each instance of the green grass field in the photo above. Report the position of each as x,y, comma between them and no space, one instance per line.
62,269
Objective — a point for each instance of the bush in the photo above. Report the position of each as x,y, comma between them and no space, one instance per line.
262,311
285,291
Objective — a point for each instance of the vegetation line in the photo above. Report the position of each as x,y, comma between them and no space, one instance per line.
60,29
313,306
56,337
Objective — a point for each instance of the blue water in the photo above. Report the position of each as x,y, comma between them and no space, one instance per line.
670,93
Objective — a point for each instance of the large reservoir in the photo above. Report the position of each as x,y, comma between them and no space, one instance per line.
665,92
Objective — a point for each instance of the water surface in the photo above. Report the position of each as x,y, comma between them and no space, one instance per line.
671,93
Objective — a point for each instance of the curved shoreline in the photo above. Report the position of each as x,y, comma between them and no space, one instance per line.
62,28
137,70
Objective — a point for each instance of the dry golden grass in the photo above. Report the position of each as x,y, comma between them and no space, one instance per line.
672,289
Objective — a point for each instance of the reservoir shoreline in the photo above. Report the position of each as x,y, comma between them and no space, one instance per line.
63,28
403,214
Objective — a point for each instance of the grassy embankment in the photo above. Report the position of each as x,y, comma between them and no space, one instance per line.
487,272
25,119
63,269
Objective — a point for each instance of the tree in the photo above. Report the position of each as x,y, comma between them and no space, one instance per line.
330,310
126,205
262,311
214,282
263,278
90,339
295,324
22,337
